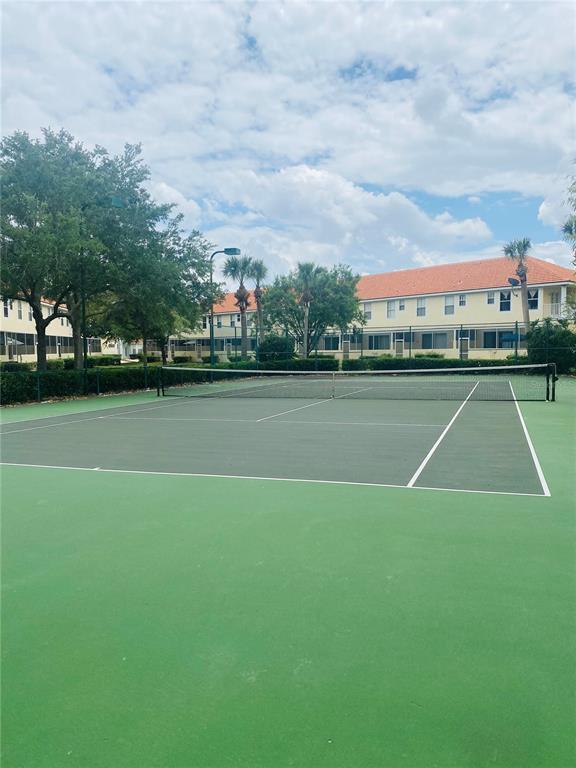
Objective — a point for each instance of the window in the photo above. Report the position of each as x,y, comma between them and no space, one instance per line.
367,311
421,307
19,305
506,339
30,315
462,300
204,322
390,309
505,301
448,305
61,321
533,299
489,340
332,343
401,305
379,341
6,312
466,333
218,322
435,340
490,297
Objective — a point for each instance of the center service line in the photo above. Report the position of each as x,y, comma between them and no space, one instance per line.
430,453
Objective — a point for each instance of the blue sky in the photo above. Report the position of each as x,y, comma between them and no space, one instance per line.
381,135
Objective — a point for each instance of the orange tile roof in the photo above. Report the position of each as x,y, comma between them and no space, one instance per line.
464,276
228,304
442,278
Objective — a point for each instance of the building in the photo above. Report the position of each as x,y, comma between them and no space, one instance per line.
18,333
455,310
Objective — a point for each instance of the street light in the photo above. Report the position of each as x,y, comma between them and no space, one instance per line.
227,252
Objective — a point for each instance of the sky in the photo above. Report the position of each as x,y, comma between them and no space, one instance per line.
381,135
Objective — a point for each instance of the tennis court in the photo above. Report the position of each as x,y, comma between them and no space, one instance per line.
309,577
449,432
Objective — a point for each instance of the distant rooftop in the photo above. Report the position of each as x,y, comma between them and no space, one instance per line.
443,278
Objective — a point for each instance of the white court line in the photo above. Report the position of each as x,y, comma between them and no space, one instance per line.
539,471
282,421
328,400
271,479
430,453
75,421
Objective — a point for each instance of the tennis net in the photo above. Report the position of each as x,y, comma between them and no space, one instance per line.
511,382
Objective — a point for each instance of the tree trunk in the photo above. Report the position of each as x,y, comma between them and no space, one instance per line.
525,309
75,317
243,335
260,325
145,351
305,350
41,345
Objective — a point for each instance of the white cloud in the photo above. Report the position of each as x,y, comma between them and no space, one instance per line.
279,124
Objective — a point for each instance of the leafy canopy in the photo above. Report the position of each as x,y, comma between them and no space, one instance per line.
329,296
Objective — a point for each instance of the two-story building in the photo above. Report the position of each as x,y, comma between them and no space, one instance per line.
457,310
18,333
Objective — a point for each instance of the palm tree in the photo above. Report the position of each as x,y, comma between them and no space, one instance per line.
517,251
306,274
258,273
239,268
569,232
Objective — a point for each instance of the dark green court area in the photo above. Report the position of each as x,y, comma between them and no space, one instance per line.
379,442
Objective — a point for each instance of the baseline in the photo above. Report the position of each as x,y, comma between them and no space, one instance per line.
259,478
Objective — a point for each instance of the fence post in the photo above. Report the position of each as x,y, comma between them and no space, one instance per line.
516,340
97,381
410,342
158,381
145,377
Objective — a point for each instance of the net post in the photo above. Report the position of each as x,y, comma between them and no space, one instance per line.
551,379
333,384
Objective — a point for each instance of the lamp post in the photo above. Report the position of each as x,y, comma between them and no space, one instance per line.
227,252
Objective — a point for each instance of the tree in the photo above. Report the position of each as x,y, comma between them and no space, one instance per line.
160,286
258,273
239,268
275,349
552,341
47,185
311,299
517,251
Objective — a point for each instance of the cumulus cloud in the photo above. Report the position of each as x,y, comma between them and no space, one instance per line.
301,133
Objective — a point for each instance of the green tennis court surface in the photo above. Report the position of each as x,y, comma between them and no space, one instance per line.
288,581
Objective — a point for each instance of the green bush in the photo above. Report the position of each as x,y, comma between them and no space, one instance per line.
55,365
359,364
435,355
102,360
13,365
552,341
24,386
274,348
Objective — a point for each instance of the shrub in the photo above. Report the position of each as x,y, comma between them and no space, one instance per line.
275,347
13,365
435,355
359,364
104,360
55,365
552,341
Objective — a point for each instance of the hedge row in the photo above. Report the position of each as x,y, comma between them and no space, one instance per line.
26,386
403,363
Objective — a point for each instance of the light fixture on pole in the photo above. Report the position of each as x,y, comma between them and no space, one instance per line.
226,252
